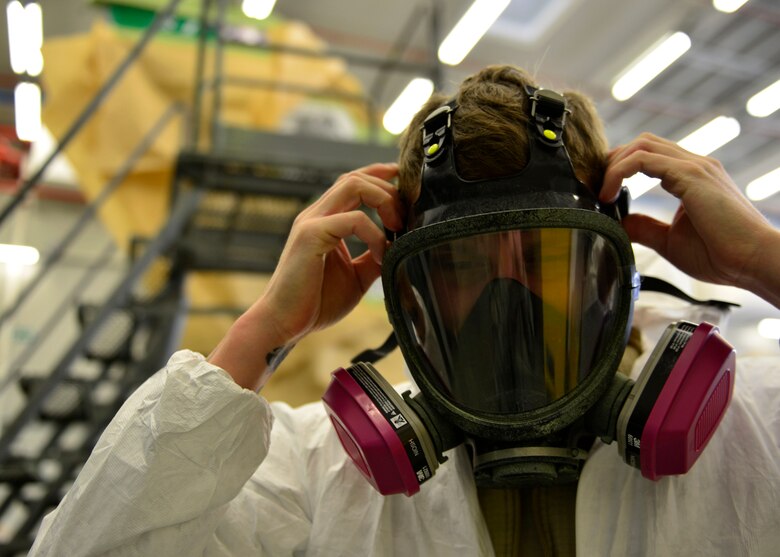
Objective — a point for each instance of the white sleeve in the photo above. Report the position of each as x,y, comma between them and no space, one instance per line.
163,474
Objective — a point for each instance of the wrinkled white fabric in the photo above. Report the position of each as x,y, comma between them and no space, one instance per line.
192,466
727,504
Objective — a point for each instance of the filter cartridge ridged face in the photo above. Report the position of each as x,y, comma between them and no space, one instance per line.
712,411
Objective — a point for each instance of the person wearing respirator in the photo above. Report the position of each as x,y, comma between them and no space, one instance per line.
510,284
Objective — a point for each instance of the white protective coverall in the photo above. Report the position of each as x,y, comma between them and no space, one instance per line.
192,466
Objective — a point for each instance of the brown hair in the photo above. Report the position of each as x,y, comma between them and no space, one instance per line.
490,133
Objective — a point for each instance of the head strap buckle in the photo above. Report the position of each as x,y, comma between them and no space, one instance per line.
548,114
436,132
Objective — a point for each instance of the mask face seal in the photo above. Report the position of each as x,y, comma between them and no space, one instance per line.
511,298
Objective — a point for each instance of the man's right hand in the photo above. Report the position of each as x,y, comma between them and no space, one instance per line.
316,282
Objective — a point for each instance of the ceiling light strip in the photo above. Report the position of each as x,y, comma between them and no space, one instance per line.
13,254
765,102
711,136
25,37
764,186
27,111
257,9
407,104
469,30
641,72
728,6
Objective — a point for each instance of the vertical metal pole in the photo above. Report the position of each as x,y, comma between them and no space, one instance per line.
437,73
395,55
197,101
373,117
217,81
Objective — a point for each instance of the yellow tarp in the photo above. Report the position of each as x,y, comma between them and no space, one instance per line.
76,67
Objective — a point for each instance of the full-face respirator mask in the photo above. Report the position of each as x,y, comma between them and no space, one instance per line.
511,300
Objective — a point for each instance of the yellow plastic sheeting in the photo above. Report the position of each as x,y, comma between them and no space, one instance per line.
76,67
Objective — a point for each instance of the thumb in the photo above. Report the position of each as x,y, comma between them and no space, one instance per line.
367,270
647,231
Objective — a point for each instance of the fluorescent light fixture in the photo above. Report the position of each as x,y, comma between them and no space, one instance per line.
17,23
640,184
34,39
764,186
703,141
27,111
471,27
18,255
407,104
649,65
728,6
25,37
258,9
711,136
769,328
765,102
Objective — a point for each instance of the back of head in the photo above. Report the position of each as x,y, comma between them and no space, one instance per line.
491,135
